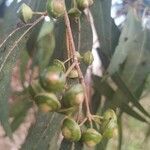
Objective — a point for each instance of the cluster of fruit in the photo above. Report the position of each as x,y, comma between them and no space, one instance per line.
51,92
55,9
71,130
51,85
52,82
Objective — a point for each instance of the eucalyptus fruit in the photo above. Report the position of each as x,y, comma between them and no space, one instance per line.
55,8
59,64
109,124
91,137
47,102
74,12
78,55
35,88
88,58
25,13
110,115
53,79
73,74
73,96
71,130
82,4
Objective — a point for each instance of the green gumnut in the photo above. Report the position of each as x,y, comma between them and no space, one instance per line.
109,124
59,64
55,8
47,102
25,13
35,88
73,96
91,137
71,130
53,79
88,58
82,4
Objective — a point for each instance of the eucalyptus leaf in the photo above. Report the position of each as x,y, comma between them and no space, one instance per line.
45,44
6,65
105,26
131,29
133,113
128,95
18,111
42,132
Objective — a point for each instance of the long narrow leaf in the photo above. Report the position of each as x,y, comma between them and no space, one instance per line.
121,84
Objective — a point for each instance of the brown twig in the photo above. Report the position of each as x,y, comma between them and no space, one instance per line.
75,59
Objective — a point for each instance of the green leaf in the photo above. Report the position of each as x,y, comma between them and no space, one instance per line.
18,111
67,145
10,20
136,68
108,33
42,132
127,109
45,44
132,28
6,64
126,95
23,65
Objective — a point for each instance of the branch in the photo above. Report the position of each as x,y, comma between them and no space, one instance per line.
75,60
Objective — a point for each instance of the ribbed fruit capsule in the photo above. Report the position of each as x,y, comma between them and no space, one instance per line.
59,64
78,55
74,12
35,88
109,115
88,58
25,13
73,96
110,132
53,79
47,102
55,8
109,124
71,130
91,137
82,4
73,74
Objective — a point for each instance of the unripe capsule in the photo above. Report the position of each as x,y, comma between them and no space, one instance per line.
82,4
109,124
71,130
47,102
88,58
55,8
73,96
109,115
59,64
53,79
91,137
25,13
35,88
73,74
74,12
